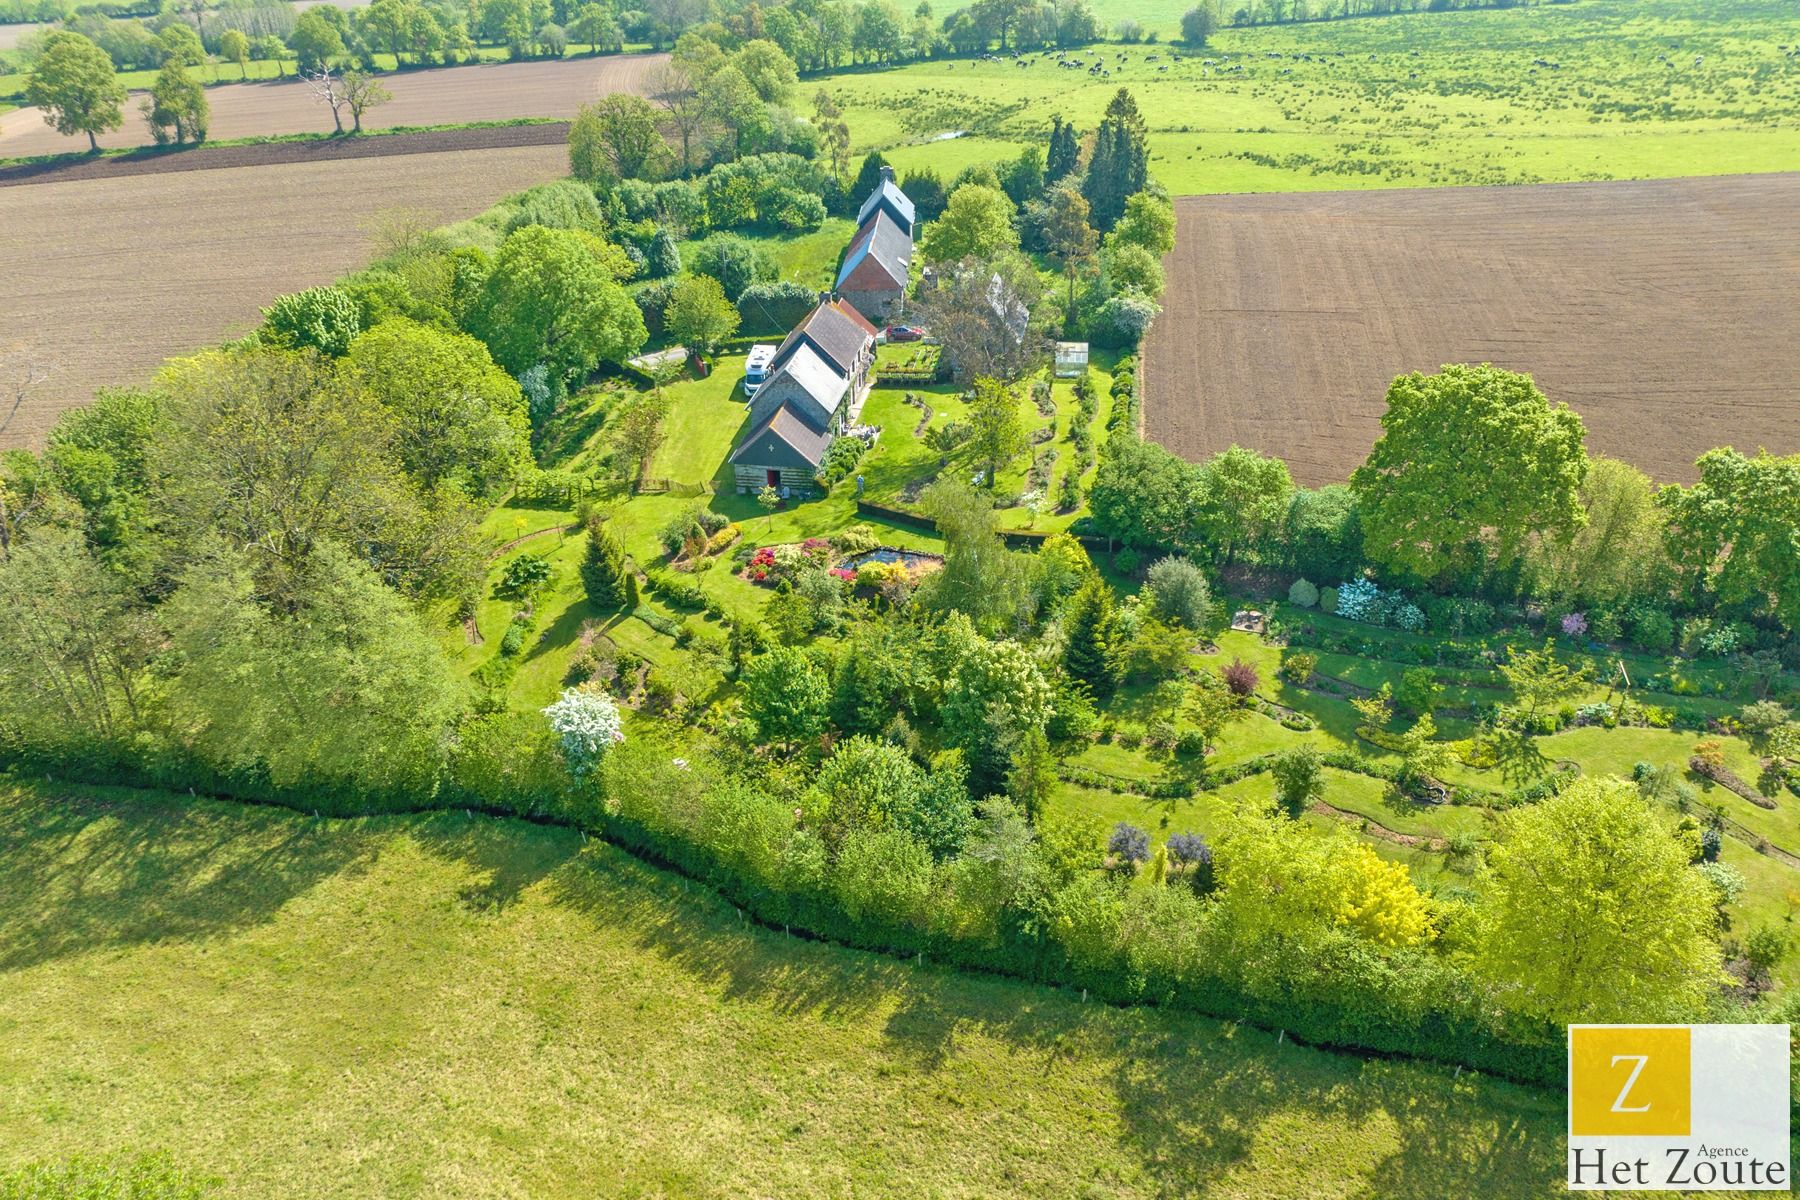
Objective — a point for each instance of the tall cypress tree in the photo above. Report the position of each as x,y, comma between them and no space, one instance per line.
1092,626
1064,154
603,570
1120,166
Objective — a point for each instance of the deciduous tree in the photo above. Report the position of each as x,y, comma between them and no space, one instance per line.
73,82
459,419
977,223
177,110
1591,912
1736,532
554,297
1473,463
698,315
787,695
616,138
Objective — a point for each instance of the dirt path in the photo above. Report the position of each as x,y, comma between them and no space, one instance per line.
1376,829
1662,311
215,158
503,547
439,96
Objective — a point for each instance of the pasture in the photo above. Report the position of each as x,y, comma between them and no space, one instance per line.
1662,312
202,251
437,1006
442,96
1627,89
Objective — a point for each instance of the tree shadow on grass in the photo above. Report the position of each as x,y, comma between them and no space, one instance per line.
111,868
504,864
1202,1104
1198,1099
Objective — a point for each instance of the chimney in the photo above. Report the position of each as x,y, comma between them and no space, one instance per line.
887,173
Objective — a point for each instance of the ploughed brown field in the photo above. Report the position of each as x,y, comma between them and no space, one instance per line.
105,278
441,96
1665,312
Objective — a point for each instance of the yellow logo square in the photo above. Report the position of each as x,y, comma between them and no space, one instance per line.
1631,1081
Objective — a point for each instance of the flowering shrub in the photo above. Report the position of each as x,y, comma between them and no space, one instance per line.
588,725
1359,600
1404,614
1129,843
762,564
1187,848
844,573
1303,594
1362,600
1574,624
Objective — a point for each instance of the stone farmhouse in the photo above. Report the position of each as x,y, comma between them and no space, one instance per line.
820,375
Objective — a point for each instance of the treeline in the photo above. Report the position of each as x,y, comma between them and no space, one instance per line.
20,12
1286,12
1480,487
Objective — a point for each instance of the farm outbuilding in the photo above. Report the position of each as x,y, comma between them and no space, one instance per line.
877,267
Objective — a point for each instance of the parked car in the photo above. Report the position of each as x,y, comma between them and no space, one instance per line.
904,333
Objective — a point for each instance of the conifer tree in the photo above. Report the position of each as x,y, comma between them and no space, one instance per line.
1120,166
1064,154
1092,626
603,572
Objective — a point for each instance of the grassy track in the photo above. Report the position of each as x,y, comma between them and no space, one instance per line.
1405,101
443,1006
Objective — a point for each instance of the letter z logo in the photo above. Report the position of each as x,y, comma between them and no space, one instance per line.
1619,1104
1630,1080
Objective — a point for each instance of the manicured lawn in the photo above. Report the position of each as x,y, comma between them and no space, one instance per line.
436,1006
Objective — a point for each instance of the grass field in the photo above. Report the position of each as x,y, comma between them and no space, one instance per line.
1660,311
445,95
1405,101
452,1007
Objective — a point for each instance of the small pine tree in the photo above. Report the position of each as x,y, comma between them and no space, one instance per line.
1091,628
631,591
603,573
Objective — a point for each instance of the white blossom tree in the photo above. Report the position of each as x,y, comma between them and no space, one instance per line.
588,723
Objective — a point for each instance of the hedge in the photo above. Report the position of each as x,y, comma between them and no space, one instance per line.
1347,996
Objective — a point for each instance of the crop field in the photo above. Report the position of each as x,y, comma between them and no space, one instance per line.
11,35
446,95
1627,89
440,1006
203,250
1662,312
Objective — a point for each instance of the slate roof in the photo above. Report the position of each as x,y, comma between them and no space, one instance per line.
808,382
879,257
784,440
837,331
887,194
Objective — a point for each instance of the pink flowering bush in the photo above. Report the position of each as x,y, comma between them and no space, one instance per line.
1574,624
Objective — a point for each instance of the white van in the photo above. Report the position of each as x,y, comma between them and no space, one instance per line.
756,368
